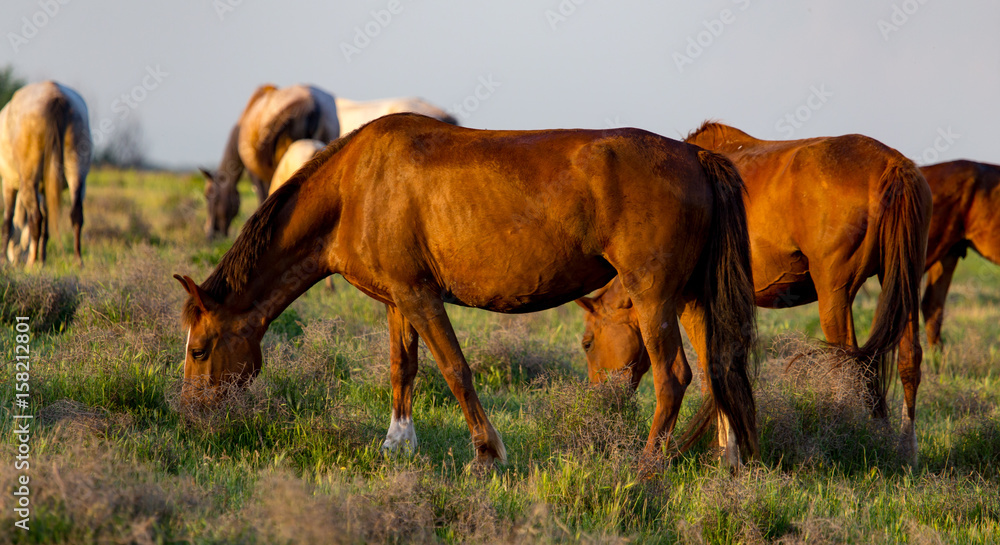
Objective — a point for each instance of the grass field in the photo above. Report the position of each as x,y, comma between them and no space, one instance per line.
296,459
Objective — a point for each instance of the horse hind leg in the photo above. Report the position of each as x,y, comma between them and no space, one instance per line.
693,320
403,369
76,166
426,313
657,315
10,206
908,362
836,317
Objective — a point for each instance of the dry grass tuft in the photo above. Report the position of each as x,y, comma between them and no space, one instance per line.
87,494
74,415
121,220
581,417
142,295
542,526
814,411
49,301
510,355
750,503
289,510
232,407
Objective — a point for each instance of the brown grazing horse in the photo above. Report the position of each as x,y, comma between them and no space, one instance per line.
824,215
966,215
44,147
416,213
270,122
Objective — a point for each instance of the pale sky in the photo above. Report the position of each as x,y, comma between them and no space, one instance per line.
922,76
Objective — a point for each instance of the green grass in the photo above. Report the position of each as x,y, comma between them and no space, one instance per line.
296,458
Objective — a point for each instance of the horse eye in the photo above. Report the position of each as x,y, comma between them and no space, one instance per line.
198,354
588,344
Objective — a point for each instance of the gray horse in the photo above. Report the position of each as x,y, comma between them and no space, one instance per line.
44,137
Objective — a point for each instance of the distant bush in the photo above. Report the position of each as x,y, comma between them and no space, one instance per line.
9,83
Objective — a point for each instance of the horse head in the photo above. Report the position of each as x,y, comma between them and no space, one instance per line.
612,340
222,349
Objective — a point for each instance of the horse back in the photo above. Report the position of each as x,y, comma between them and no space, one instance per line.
966,196
274,118
507,219
34,125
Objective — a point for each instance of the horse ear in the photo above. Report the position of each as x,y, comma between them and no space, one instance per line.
208,176
587,303
196,293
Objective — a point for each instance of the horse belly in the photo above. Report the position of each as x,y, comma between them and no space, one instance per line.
781,275
526,283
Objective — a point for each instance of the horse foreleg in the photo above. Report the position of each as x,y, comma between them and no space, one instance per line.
402,371
910,356
938,281
426,313
9,203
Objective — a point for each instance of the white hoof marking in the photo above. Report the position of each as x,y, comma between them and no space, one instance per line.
400,434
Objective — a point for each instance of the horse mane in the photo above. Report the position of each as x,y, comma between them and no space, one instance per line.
258,93
722,134
233,271
707,125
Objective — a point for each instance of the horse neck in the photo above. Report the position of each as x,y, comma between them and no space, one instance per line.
728,138
231,166
295,260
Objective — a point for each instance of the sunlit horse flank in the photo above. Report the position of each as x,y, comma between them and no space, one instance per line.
272,119
275,118
824,214
415,212
44,147
966,215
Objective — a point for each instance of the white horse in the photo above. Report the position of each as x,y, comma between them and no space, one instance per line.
270,122
275,118
353,114
44,137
